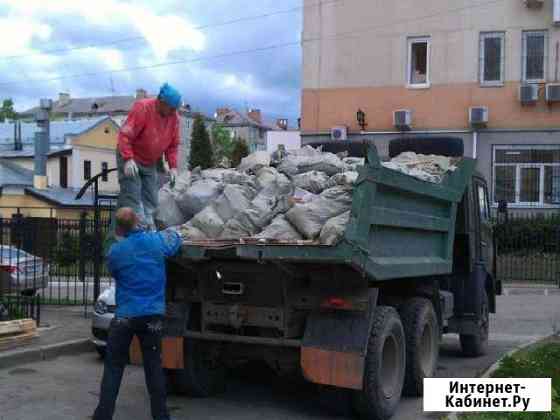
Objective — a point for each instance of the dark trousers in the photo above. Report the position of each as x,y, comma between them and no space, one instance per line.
148,329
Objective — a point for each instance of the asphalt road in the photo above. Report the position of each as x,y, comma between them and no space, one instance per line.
67,388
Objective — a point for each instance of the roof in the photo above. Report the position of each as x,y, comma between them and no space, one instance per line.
96,105
29,152
12,174
58,131
64,197
233,118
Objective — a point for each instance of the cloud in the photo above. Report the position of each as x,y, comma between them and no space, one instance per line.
161,32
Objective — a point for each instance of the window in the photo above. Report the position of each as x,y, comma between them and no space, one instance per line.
104,169
483,203
534,56
527,175
63,173
418,69
87,169
492,58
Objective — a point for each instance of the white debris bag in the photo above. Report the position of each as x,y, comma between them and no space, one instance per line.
308,159
431,168
168,212
309,218
189,233
233,201
209,222
313,181
182,183
334,229
280,229
254,161
198,196
345,178
353,163
218,174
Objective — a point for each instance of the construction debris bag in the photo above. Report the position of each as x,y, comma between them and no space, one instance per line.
345,178
209,222
353,163
189,233
254,162
233,200
182,183
431,168
218,174
314,181
198,196
266,176
334,229
309,218
239,178
280,229
168,212
269,202
308,159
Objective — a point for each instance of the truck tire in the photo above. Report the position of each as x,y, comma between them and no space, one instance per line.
475,345
204,375
384,367
444,146
421,330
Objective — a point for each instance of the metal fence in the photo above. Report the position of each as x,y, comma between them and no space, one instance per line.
528,249
46,260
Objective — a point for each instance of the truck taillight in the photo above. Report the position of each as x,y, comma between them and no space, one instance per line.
9,268
336,303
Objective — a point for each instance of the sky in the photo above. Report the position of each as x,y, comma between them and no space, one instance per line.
46,44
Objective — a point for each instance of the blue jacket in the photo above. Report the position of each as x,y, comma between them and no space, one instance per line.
138,265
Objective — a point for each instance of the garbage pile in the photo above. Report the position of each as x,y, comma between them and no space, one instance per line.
305,197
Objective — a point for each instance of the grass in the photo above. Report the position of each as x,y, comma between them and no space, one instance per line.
539,361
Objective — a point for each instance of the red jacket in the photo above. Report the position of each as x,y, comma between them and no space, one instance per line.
146,136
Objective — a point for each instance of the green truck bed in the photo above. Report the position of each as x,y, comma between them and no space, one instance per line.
400,226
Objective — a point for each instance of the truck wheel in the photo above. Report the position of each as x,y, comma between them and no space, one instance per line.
204,375
421,330
444,146
384,367
477,344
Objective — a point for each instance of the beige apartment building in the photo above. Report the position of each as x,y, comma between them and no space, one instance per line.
486,71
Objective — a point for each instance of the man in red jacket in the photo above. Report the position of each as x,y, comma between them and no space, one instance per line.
150,131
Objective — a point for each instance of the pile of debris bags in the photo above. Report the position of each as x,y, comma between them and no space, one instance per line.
306,197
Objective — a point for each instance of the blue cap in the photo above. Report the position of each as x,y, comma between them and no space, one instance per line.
170,96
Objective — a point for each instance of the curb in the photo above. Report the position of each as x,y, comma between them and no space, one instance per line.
496,365
13,358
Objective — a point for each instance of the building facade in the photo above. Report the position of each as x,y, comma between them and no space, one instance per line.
247,126
486,72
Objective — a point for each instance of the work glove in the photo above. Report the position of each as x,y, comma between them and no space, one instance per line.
172,177
131,169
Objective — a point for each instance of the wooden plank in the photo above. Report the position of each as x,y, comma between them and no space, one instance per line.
16,340
135,352
343,370
17,327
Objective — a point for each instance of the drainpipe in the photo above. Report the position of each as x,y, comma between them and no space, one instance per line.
42,140
475,144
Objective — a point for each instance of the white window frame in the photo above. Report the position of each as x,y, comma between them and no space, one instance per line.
483,37
525,35
518,167
410,42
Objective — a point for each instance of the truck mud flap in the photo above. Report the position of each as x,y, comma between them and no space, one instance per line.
334,347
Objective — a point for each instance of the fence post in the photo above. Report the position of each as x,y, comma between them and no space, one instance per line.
81,253
97,246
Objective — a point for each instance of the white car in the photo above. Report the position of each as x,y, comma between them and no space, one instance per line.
21,272
103,313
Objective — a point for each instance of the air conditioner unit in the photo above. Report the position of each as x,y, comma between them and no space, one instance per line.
553,92
528,94
402,119
478,116
339,133
534,4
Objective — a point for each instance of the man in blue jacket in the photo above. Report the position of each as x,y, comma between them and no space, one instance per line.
137,264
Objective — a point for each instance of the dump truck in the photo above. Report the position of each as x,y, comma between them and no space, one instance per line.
367,314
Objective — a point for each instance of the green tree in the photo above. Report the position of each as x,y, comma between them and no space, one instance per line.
7,111
201,147
222,142
240,150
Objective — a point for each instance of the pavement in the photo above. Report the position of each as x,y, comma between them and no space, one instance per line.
67,387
